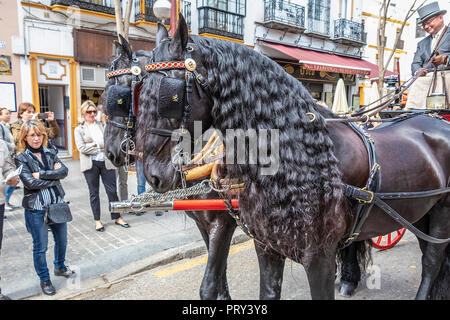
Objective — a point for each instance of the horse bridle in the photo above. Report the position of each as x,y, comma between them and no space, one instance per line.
127,145
179,86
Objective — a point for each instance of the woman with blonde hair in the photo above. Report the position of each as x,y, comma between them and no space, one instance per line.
40,175
94,164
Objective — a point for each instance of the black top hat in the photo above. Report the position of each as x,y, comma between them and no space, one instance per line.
430,10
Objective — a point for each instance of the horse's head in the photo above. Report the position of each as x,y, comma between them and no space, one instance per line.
117,98
174,95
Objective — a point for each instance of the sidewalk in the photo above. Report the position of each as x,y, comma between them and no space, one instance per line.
97,257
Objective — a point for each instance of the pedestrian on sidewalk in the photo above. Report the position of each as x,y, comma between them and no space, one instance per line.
6,166
94,164
6,135
41,172
27,111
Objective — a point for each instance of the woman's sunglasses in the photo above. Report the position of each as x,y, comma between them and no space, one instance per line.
91,112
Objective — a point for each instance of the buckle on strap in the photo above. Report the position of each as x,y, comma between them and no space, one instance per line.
362,195
364,199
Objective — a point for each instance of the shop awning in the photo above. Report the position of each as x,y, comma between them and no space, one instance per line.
321,61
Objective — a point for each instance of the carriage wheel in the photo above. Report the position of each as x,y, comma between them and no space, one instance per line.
389,240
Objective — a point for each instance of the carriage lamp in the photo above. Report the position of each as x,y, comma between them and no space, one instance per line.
162,9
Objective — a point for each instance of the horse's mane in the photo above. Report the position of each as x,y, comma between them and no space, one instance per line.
302,201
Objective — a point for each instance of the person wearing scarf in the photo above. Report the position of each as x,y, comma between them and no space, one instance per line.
41,172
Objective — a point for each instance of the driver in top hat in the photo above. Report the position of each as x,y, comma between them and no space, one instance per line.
432,19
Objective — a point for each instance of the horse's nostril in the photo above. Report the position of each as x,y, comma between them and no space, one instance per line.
154,181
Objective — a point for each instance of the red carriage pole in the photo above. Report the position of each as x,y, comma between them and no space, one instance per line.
175,205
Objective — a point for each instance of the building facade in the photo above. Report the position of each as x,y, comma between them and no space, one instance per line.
55,53
10,67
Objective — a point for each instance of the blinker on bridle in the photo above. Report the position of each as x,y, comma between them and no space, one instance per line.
172,101
118,96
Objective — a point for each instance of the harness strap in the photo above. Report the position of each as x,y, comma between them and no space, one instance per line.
405,223
364,195
118,124
376,199
411,195
118,72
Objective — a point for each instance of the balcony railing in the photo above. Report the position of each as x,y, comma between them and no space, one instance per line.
284,13
349,31
103,6
144,11
319,27
215,21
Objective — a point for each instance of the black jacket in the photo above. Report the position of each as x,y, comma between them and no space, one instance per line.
47,178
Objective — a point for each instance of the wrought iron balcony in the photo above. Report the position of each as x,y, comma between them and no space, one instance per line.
103,6
215,21
318,28
144,11
349,32
284,15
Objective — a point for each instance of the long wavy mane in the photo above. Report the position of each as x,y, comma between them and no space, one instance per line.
301,205
298,210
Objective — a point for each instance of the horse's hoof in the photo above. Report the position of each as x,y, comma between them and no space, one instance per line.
347,289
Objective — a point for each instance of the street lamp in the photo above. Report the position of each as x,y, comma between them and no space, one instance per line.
163,10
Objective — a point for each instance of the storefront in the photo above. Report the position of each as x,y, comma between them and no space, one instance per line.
320,71
93,82
322,84
54,84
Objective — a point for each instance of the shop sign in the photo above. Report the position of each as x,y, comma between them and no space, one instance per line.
300,73
5,65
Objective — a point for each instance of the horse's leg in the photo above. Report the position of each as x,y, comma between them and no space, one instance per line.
434,254
321,275
214,284
441,286
271,267
350,270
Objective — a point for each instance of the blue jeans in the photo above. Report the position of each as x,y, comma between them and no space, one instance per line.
34,220
140,177
9,191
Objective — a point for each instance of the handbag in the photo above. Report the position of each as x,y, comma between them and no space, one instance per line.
436,100
58,212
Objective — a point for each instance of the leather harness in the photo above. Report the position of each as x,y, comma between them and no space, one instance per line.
369,196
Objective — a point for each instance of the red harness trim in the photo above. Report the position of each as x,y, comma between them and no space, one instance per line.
118,73
165,65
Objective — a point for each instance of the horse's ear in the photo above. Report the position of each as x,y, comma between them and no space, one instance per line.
180,38
126,46
161,34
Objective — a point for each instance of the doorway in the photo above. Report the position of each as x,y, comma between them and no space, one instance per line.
52,98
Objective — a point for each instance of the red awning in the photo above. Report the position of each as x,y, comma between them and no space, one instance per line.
321,61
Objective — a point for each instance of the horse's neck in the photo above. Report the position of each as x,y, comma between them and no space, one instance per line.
351,152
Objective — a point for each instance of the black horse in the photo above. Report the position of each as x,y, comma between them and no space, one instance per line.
300,211
216,227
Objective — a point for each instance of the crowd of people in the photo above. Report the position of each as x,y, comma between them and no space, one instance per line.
26,144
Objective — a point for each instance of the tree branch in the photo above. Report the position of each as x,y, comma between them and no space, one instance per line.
126,29
119,21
